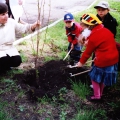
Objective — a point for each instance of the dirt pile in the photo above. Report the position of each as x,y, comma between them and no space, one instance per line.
49,79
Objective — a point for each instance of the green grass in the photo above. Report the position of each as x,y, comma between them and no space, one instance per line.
3,112
13,72
81,89
90,115
9,85
24,58
56,35
23,43
48,58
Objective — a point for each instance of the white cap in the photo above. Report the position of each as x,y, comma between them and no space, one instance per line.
102,4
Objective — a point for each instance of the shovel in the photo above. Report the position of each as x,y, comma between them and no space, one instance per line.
70,66
71,75
74,52
67,55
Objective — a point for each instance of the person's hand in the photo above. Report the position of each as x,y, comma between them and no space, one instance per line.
72,46
35,25
81,40
79,64
85,43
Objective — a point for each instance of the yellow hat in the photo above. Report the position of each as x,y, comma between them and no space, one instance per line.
90,19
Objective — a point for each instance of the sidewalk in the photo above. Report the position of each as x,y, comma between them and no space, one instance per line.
51,9
74,9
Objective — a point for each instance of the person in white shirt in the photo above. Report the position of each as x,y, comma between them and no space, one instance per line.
9,56
15,9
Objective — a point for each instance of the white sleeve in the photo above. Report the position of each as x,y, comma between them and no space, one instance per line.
23,28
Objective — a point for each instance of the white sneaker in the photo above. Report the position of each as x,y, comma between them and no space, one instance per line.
91,86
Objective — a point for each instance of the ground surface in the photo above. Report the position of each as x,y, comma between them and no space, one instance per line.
49,78
53,79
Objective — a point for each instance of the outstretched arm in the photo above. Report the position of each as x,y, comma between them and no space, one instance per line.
35,25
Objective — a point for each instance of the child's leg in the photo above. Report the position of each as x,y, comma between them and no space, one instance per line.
101,88
96,88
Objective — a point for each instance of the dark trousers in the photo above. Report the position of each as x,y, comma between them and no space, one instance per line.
6,62
75,53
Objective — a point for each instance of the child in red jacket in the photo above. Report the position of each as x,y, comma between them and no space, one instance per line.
101,41
73,30
109,22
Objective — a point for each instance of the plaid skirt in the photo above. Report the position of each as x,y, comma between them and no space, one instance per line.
106,75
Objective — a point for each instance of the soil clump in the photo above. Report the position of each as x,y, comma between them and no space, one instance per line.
49,78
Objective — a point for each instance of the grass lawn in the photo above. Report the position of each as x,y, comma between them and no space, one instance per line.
67,104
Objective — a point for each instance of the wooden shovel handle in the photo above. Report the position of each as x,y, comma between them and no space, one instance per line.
67,54
89,61
80,73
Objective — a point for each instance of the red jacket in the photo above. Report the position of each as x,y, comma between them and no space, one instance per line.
102,42
73,33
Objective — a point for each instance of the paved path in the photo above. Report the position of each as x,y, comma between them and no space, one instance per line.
52,10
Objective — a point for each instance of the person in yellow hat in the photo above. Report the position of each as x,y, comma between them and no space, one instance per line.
101,41
87,30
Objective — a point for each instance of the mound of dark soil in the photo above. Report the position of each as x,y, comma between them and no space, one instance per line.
49,79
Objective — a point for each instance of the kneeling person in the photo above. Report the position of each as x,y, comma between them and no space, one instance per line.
73,30
9,56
